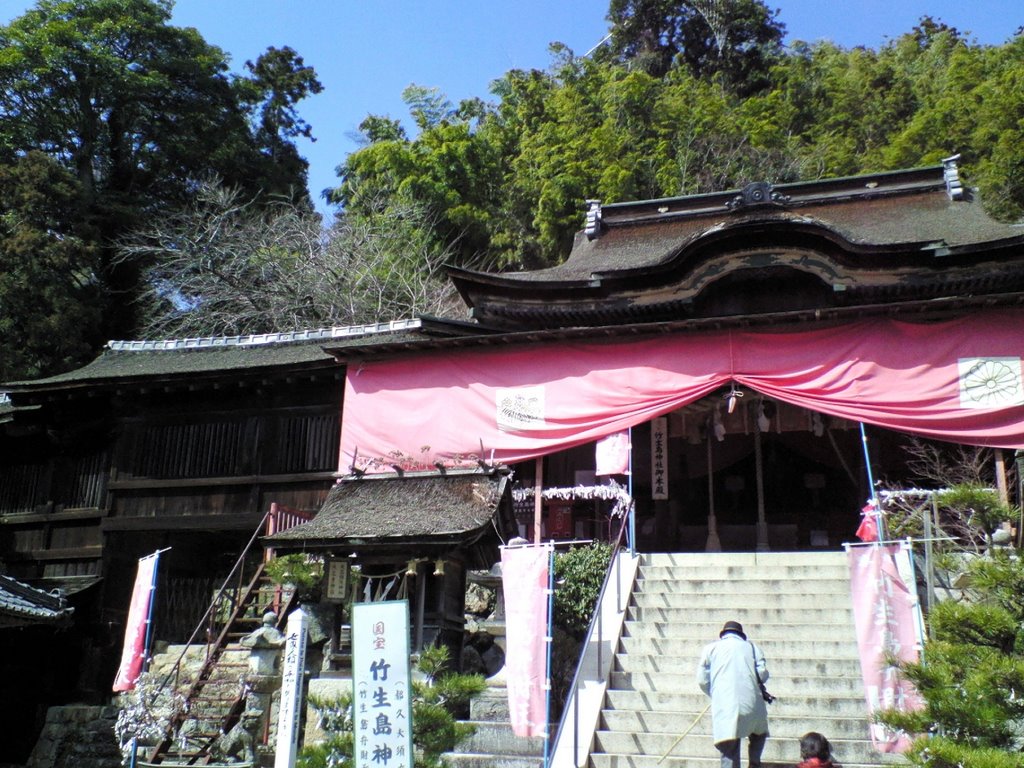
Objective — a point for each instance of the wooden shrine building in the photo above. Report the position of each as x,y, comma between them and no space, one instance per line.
739,339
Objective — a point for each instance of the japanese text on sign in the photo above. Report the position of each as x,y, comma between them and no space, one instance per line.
659,458
380,681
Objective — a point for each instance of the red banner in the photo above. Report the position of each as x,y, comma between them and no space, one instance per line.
958,380
524,576
133,656
885,613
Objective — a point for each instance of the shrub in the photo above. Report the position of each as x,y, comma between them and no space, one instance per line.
301,571
579,574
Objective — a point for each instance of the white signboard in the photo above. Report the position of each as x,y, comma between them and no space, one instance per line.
382,696
289,714
659,458
337,580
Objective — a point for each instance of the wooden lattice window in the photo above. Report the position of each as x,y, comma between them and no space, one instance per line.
210,449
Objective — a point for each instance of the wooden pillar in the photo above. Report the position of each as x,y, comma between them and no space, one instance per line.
713,543
762,523
1004,492
421,599
538,502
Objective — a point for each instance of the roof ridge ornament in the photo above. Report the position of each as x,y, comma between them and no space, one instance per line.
951,175
757,193
593,225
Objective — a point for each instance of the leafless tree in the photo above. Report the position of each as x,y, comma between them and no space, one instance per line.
226,266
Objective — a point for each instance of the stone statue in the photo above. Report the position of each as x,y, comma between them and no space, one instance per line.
266,636
236,746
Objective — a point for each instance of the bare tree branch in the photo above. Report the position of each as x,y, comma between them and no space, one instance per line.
226,266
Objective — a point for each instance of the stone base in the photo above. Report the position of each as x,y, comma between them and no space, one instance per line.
77,737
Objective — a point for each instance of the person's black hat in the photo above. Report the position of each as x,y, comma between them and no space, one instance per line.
732,626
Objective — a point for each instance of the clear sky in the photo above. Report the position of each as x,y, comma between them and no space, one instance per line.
366,51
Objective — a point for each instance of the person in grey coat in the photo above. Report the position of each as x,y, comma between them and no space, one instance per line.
728,672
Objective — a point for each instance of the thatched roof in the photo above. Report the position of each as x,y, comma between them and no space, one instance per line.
453,508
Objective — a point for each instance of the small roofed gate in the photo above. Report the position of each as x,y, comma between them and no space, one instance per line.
409,536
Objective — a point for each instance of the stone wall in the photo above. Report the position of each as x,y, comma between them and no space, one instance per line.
77,737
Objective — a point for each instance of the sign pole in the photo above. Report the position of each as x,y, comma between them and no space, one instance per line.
289,715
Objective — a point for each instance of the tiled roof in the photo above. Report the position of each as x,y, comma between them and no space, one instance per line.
21,605
122,360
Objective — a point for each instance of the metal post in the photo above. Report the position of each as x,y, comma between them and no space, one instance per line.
547,697
576,726
871,485
631,512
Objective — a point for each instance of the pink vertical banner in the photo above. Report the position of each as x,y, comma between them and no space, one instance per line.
884,612
611,455
524,575
133,656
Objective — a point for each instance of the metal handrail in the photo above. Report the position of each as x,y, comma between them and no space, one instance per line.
596,622
269,524
202,625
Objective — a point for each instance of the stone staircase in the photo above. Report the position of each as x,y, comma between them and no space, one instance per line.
211,705
795,606
494,745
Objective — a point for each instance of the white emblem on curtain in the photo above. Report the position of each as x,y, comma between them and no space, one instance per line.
990,382
520,408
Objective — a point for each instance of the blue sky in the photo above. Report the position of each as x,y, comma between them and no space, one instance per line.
365,51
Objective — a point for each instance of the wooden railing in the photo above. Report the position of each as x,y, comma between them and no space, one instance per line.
281,518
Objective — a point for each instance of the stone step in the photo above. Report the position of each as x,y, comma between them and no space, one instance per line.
713,560
796,570
781,726
470,760
701,743
799,637
792,754
766,613
781,686
686,664
689,703
498,739
682,594
489,707
783,600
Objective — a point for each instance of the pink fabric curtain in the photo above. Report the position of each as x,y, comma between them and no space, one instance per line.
524,575
958,380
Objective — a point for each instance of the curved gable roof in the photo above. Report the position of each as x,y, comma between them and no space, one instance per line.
876,238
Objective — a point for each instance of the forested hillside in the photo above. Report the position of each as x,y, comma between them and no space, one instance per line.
660,112
135,167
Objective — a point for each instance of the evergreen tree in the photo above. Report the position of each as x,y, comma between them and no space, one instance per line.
971,676
138,110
